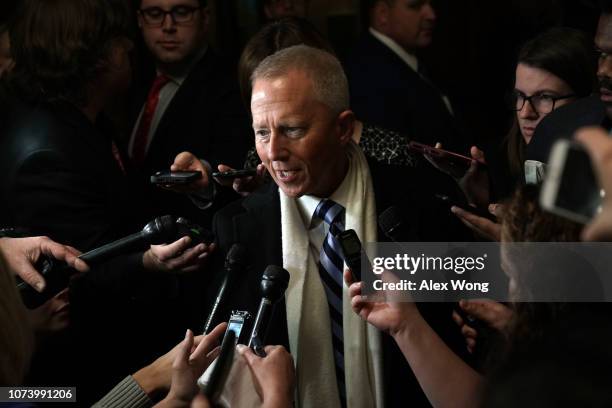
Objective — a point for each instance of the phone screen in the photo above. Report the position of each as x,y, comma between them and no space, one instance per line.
578,191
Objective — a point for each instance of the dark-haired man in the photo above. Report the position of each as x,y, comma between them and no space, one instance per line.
388,85
193,103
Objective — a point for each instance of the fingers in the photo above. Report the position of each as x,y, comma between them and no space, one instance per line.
64,253
355,289
225,181
185,161
496,209
457,319
348,277
477,154
468,332
182,354
200,401
438,145
481,225
208,342
203,355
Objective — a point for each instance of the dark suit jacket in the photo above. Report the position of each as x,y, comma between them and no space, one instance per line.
563,122
255,222
386,92
60,179
206,117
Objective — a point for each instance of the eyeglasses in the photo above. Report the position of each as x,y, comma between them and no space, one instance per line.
155,16
540,102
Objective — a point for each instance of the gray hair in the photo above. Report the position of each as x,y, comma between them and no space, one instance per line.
324,70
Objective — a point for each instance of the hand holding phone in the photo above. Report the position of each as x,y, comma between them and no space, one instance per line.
175,177
353,252
232,174
449,162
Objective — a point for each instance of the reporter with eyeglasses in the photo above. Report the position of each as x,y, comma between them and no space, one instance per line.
553,69
191,104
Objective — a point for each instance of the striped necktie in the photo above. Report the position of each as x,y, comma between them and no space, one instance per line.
330,268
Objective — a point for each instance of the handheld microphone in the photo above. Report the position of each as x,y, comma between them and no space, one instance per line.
160,230
235,262
274,282
393,223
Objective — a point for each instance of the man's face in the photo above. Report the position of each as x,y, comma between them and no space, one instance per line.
174,42
603,41
410,23
299,139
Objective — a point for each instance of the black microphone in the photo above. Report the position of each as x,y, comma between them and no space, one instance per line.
274,282
235,262
159,231
395,226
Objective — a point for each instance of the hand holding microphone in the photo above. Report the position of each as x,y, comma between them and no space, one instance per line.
274,282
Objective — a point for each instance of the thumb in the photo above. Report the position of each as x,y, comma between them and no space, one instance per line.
246,352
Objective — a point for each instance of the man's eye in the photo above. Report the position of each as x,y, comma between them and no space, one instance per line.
262,133
153,12
181,11
294,131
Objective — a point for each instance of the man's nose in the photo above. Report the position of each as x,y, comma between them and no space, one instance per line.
604,68
168,24
277,150
429,12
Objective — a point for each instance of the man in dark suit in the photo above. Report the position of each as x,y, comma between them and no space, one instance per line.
388,85
193,104
303,130
596,110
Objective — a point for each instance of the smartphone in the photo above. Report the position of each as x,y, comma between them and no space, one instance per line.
231,174
175,177
454,160
57,276
353,252
236,323
466,207
570,188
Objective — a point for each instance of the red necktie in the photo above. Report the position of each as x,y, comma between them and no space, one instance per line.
141,137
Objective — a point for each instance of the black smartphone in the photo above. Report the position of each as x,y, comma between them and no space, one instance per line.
175,177
352,251
231,174
465,206
57,276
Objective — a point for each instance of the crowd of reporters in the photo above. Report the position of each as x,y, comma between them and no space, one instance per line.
76,177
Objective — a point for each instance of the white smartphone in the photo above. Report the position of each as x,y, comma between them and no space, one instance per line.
570,187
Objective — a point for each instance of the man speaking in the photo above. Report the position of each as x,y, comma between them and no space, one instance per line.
323,185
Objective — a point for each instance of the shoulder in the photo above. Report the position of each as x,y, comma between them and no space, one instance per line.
31,129
563,122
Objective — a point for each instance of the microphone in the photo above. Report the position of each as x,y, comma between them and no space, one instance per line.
393,223
274,282
235,262
160,230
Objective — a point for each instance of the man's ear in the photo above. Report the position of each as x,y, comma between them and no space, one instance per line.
345,126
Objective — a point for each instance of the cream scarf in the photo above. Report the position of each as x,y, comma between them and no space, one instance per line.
307,310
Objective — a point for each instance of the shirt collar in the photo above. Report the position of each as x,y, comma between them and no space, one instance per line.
179,78
307,204
408,58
